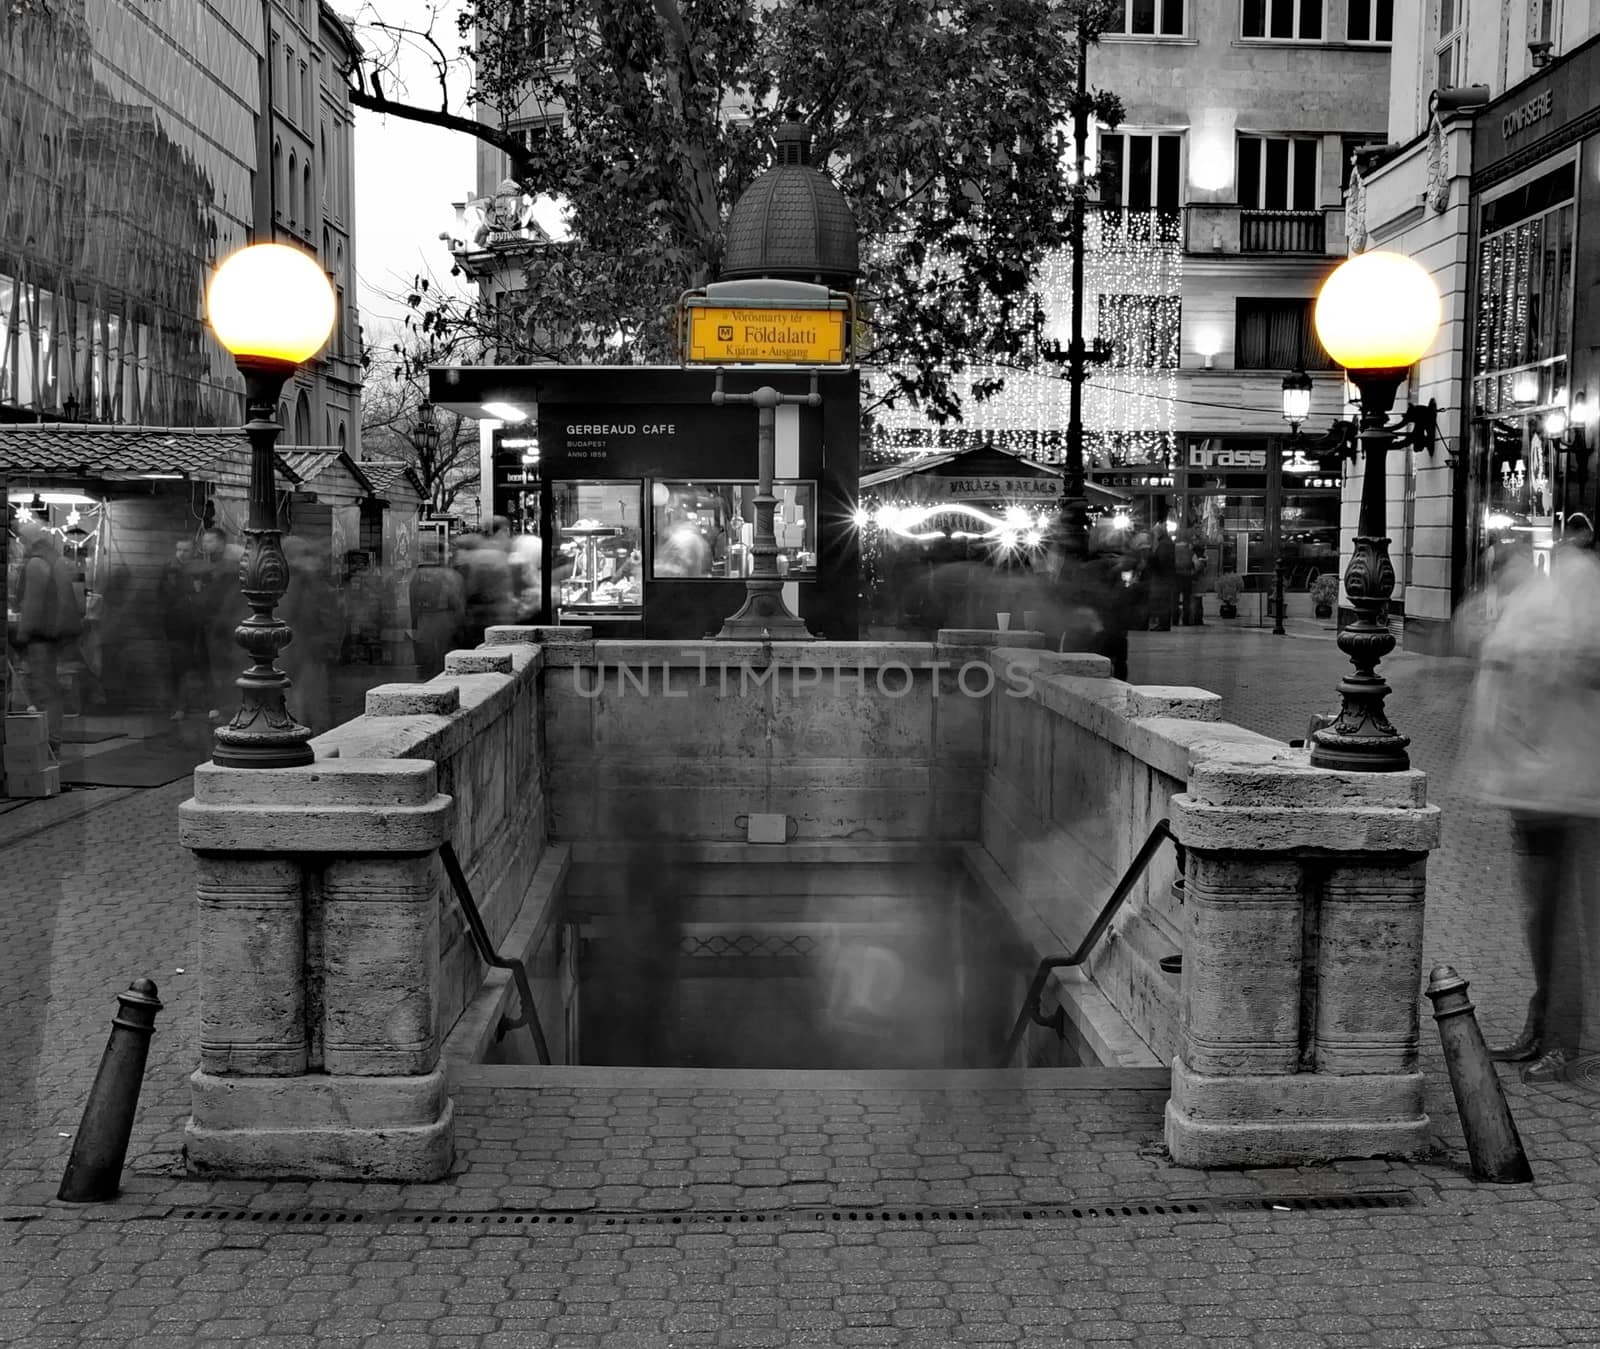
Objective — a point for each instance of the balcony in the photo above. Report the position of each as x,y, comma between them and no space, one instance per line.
1282,232
1219,228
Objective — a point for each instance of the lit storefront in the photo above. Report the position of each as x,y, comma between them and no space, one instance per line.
642,492
1532,341
1240,500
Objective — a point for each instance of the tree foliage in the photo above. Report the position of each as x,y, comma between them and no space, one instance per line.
395,410
943,121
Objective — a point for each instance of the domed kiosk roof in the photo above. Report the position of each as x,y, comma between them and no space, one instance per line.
792,223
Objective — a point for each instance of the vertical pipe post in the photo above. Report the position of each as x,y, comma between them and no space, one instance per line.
94,1169
1492,1139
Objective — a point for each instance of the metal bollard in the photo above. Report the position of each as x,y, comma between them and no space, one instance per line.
94,1170
1492,1139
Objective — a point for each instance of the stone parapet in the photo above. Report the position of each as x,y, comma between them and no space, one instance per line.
319,967
333,958
1298,1035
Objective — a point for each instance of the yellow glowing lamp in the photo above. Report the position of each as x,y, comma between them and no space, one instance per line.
273,302
1378,311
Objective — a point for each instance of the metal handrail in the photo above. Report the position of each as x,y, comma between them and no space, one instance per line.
1030,1004
480,938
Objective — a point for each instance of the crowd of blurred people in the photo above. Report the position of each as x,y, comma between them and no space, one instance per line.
1125,581
485,578
68,639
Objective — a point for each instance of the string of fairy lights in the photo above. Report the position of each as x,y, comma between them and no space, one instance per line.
1133,278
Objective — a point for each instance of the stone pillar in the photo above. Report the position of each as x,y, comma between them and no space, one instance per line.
1302,963
319,971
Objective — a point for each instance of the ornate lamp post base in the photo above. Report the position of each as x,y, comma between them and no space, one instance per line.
764,617
262,733
1361,738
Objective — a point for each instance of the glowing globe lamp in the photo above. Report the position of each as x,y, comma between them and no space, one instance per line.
271,302
1378,311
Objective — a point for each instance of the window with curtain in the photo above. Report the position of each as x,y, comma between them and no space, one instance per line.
1278,173
1277,334
1140,171
1283,20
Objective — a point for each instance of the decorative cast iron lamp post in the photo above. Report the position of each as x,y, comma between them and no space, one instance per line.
1296,408
1377,314
764,617
272,307
1073,520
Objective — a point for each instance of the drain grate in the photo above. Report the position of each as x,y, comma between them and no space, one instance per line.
1583,1073
895,1216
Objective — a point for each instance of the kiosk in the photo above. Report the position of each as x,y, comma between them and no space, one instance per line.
642,491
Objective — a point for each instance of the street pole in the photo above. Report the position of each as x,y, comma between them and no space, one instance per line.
764,615
1074,503
1361,738
263,732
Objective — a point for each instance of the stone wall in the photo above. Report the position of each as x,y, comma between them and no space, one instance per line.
333,962
1077,775
1292,1028
333,958
683,741
479,722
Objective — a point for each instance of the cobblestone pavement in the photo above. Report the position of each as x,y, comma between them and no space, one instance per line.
632,1209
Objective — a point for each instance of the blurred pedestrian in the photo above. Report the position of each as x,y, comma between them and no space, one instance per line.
484,562
220,608
1183,571
180,627
49,621
308,607
1534,749
1162,573
438,611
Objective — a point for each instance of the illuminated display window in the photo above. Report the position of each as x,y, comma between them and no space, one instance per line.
598,566
706,530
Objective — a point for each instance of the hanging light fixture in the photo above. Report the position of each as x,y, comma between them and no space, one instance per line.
1296,399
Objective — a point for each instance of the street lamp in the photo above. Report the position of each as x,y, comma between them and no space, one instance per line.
426,433
1377,314
1566,431
272,307
1296,399
1296,408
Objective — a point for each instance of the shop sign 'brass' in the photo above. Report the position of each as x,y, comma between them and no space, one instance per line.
722,334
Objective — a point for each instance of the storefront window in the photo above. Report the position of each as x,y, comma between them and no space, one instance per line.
598,567
1521,481
706,530
1309,525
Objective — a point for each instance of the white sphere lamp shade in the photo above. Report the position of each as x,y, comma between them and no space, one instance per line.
272,302
1378,311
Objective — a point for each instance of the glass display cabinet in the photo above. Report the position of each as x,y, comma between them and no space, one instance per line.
598,572
705,530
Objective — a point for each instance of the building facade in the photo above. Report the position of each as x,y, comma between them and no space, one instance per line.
1218,215
139,145
1491,181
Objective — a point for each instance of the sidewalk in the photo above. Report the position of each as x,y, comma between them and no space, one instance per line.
615,1208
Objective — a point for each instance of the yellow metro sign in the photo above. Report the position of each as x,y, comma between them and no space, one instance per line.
735,335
